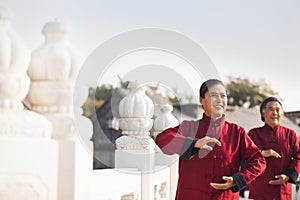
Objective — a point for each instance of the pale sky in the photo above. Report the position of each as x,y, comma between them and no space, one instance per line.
256,39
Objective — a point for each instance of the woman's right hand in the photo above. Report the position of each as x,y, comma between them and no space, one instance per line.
269,153
202,143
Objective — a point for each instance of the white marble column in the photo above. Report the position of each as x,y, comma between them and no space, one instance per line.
53,70
28,168
135,149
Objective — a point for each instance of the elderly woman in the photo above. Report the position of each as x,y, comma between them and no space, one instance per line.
211,150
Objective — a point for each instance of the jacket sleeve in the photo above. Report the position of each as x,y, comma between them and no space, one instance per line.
255,162
174,141
294,166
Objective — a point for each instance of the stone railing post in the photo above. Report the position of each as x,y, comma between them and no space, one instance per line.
135,149
163,121
53,70
14,85
28,156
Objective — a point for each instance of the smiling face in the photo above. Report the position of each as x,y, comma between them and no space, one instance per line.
214,101
272,113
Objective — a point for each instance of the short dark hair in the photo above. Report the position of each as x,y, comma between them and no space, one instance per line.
264,105
207,84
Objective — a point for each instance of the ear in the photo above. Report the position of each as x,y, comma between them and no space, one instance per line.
201,100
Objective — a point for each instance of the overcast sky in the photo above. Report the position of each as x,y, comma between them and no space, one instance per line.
257,39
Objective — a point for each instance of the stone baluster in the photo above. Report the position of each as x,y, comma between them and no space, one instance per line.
14,85
53,69
135,149
28,156
130,196
163,121
163,191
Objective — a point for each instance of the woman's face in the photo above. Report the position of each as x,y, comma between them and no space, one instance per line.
272,113
214,101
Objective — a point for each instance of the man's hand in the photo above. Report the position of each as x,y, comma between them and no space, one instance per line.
202,143
282,178
269,153
224,186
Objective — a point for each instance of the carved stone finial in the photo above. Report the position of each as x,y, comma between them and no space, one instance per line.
53,71
165,119
56,31
136,110
14,61
14,86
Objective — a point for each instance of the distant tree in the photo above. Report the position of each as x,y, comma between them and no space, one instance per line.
246,93
97,96
103,92
174,100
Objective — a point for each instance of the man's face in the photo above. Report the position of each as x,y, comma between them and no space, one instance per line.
272,113
215,101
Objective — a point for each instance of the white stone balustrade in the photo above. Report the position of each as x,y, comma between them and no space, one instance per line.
55,165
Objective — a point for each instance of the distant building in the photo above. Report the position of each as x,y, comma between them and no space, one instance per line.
294,116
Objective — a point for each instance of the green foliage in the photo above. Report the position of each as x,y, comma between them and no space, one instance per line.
174,101
243,92
97,96
103,92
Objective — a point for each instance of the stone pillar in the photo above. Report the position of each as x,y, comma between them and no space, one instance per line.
163,121
135,149
53,69
28,156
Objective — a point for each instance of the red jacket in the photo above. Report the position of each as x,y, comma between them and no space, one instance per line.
198,168
284,141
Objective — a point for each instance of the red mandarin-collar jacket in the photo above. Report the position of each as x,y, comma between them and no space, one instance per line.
198,168
284,141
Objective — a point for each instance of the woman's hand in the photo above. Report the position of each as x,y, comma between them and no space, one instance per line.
269,153
202,143
282,178
224,186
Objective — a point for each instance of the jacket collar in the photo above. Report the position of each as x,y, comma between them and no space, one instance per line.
209,121
266,126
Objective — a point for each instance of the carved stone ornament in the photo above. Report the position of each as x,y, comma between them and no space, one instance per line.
14,61
24,123
18,187
53,69
14,86
136,110
165,119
